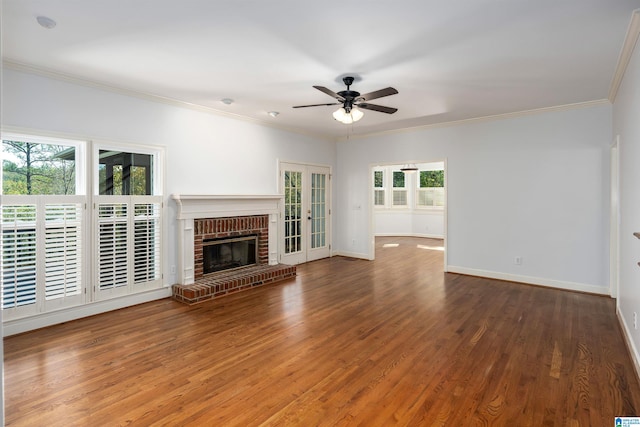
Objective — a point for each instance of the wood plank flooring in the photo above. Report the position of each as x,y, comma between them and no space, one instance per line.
348,342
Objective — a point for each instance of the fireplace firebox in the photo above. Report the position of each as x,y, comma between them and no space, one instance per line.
229,252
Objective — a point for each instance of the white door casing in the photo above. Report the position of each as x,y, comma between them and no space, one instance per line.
305,213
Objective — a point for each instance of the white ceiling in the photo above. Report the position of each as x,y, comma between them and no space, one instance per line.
449,60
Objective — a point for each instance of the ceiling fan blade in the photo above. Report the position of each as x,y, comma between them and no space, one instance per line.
380,108
316,105
378,94
329,92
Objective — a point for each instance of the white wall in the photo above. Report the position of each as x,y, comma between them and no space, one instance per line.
205,153
533,186
626,124
418,223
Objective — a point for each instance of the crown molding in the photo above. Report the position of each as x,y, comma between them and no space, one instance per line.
69,78
625,54
490,118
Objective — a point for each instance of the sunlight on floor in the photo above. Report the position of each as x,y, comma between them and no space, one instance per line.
433,248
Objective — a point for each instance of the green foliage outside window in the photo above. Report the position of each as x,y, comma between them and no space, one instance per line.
430,179
398,179
378,180
32,168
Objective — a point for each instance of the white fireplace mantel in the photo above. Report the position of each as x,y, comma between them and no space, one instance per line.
192,206
197,206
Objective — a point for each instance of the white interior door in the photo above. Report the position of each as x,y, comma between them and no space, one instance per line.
305,213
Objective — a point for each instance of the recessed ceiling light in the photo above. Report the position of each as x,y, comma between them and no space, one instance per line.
227,101
273,113
46,22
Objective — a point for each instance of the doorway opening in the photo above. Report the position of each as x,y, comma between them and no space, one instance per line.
409,200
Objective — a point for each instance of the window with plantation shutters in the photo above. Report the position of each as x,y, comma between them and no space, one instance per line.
19,256
146,243
51,227
42,253
399,190
430,192
129,244
112,245
63,250
378,188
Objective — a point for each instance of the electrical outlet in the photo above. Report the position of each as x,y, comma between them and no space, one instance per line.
173,269
517,260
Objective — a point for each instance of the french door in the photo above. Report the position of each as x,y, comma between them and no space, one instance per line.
305,213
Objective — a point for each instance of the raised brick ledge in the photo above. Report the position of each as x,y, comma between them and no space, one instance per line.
223,283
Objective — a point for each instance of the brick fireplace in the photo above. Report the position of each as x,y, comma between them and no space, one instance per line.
219,228
202,218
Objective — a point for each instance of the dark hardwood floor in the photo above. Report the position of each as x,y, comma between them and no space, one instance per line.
348,342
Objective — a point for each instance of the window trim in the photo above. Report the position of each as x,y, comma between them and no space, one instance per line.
157,152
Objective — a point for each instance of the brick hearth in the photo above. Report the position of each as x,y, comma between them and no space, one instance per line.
227,282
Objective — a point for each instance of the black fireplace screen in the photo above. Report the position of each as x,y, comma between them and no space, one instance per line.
225,253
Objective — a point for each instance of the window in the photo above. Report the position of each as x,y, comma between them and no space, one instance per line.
430,191
44,219
123,173
18,255
399,189
35,166
43,225
378,188
395,189
127,214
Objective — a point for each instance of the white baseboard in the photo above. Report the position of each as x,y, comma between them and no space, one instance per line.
550,283
626,334
428,236
351,255
18,326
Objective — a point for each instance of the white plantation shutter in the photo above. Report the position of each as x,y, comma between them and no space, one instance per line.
63,250
146,253
112,245
42,253
431,196
19,261
425,197
128,244
378,199
399,197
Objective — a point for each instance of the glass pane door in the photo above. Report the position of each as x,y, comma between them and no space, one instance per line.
292,212
318,210
305,214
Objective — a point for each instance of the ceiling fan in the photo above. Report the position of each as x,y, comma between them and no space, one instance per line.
349,99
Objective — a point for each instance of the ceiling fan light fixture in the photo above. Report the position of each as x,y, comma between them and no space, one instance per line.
409,167
342,116
356,114
339,114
